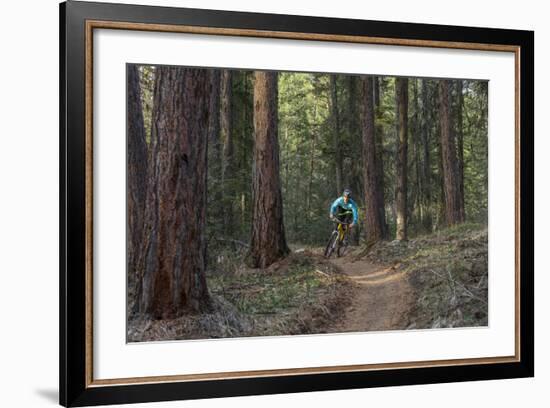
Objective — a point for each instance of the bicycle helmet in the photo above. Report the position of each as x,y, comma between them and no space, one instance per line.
346,193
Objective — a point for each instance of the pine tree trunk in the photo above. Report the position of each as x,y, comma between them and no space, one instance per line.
375,214
449,160
226,135
268,242
402,93
426,166
441,216
214,147
175,250
214,136
379,138
137,171
353,173
376,84
460,146
415,205
313,145
226,119
355,136
338,158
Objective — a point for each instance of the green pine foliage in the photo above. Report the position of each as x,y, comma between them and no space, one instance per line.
307,157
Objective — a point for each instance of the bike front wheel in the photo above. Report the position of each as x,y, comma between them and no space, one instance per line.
331,244
342,248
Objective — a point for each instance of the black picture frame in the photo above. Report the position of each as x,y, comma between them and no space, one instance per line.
75,387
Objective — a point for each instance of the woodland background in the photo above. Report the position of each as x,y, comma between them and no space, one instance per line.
231,169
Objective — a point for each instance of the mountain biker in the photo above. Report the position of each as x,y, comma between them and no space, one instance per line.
341,207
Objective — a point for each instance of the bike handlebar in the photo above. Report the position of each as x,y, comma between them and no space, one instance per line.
340,222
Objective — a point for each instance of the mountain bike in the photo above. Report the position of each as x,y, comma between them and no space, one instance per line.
339,238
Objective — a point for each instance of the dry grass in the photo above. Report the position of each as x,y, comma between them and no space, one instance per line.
302,294
449,273
305,294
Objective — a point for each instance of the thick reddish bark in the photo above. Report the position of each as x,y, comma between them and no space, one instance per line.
174,252
375,214
451,181
268,242
402,93
137,170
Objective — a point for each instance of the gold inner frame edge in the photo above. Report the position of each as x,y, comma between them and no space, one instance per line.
93,24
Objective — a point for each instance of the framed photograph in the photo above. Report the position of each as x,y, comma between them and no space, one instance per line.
256,204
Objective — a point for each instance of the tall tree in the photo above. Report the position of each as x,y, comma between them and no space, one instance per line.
460,143
338,156
402,95
454,214
313,145
214,137
247,143
375,214
268,241
426,166
376,85
354,172
226,119
227,137
379,138
215,203
137,168
174,252
415,186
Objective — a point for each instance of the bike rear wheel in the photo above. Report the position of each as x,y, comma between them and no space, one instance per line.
331,244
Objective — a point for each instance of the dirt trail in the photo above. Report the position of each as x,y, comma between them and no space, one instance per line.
382,296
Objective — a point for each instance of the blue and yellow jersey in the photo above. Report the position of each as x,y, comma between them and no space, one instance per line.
339,202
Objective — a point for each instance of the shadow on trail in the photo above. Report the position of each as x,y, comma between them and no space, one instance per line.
382,296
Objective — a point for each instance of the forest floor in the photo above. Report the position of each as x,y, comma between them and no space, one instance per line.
382,296
438,280
301,294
